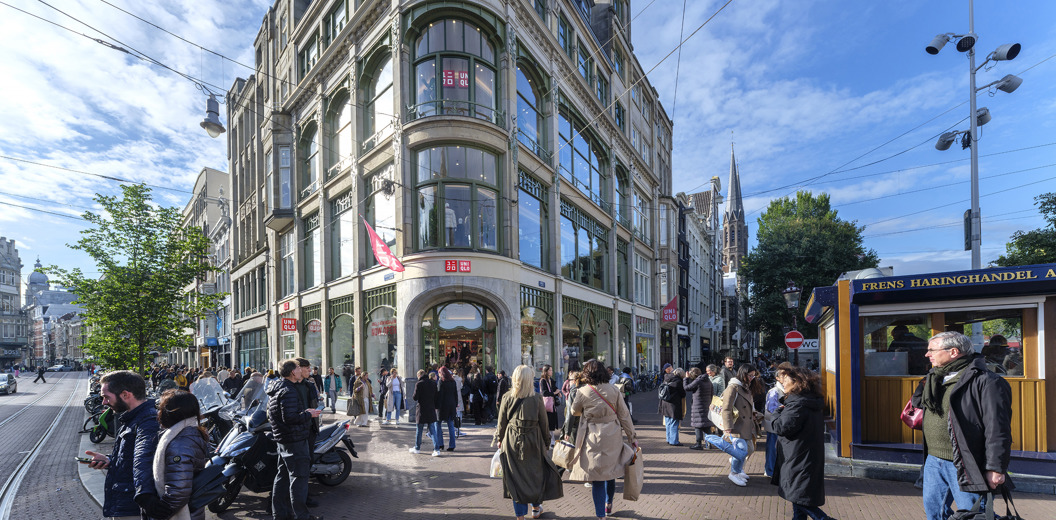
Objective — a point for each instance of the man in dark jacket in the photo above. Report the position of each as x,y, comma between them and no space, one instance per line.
40,374
291,424
491,389
728,372
425,413
672,409
129,483
967,426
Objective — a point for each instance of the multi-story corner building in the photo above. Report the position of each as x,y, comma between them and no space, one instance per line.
703,237
14,344
44,309
510,154
207,210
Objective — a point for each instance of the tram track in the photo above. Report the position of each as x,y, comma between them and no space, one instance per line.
35,401
10,487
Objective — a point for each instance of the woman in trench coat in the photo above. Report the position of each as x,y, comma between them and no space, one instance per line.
604,419
529,477
737,396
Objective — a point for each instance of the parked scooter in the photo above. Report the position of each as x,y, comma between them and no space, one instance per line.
100,425
250,457
217,408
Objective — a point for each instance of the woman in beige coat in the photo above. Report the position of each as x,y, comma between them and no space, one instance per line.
600,457
738,397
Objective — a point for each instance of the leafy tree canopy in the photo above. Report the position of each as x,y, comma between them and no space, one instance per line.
146,259
802,240
1037,246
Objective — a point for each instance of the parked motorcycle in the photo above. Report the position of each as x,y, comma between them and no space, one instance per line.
100,425
216,407
250,456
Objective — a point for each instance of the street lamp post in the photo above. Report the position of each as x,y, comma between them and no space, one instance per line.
977,117
791,295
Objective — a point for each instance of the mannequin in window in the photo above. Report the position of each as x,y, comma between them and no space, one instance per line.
450,222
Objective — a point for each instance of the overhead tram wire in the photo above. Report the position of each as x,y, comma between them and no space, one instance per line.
953,224
678,64
5,203
107,177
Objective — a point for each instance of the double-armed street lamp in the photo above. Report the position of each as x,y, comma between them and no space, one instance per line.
791,295
977,117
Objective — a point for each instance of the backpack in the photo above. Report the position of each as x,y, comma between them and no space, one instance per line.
666,394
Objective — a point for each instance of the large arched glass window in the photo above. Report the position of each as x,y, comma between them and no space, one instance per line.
309,160
581,159
530,120
459,335
381,209
339,124
454,71
378,110
457,203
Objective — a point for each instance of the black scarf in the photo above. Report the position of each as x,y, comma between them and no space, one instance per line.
934,386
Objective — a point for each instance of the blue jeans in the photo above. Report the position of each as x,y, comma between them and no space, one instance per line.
771,452
737,450
602,491
671,426
450,433
941,489
434,431
397,405
802,512
520,509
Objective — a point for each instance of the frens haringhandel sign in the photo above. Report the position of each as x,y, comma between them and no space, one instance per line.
958,279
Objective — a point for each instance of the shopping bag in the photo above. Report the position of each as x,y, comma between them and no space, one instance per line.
633,477
496,464
563,455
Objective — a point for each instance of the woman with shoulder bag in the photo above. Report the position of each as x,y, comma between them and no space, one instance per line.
738,418
604,420
773,402
800,426
551,399
529,477
700,386
181,453
675,409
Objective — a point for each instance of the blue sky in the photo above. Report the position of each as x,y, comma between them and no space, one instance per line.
804,88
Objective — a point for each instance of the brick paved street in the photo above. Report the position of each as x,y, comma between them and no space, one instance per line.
389,483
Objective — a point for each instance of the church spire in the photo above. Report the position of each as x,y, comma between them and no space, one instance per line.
734,205
734,229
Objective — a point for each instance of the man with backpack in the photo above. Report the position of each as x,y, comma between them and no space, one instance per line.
672,395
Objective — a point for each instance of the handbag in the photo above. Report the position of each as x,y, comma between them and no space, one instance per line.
912,416
564,454
548,402
496,464
988,514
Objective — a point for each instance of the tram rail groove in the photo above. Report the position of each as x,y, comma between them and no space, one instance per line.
10,488
26,407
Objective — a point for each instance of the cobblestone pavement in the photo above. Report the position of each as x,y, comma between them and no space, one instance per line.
389,483
50,488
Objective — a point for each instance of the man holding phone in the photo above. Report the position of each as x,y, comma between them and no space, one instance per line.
292,421
130,474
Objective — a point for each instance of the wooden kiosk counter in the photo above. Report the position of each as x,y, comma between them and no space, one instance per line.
873,335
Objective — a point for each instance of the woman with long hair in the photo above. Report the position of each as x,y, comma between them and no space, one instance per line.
800,427
604,420
738,439
446,407
550,393
529,477
394,403
699,385
181,453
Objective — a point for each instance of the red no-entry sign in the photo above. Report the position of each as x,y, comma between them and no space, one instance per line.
793,339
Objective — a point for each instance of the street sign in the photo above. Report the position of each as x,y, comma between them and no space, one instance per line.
793,339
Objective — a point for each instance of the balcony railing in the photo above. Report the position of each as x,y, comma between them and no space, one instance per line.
449,107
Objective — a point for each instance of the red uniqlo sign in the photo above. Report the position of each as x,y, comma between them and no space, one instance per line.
794,339
456,78
451,266
458,266
315,326
289,324
464,266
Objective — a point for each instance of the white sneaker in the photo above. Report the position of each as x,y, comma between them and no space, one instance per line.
743,475
414,451
436,453
588,485
737,480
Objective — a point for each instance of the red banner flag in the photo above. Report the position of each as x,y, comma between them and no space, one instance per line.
381,251
670,312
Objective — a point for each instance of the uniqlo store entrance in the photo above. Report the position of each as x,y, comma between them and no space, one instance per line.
459,335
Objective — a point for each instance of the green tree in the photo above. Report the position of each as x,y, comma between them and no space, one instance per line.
801,240
1037,246
145,258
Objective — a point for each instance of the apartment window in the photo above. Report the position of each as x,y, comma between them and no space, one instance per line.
455,71
282,32
662,210
540,9
313,261
285,179
457,198
617,61
581,159
309,56
585,64
622,270
381,208
621,117
335,21
623,190
309,161
584,248
342,250
643,280
532,221
564,37
339,121
641,216
620,7
287,274
603,90
380,102
530,121
269,181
